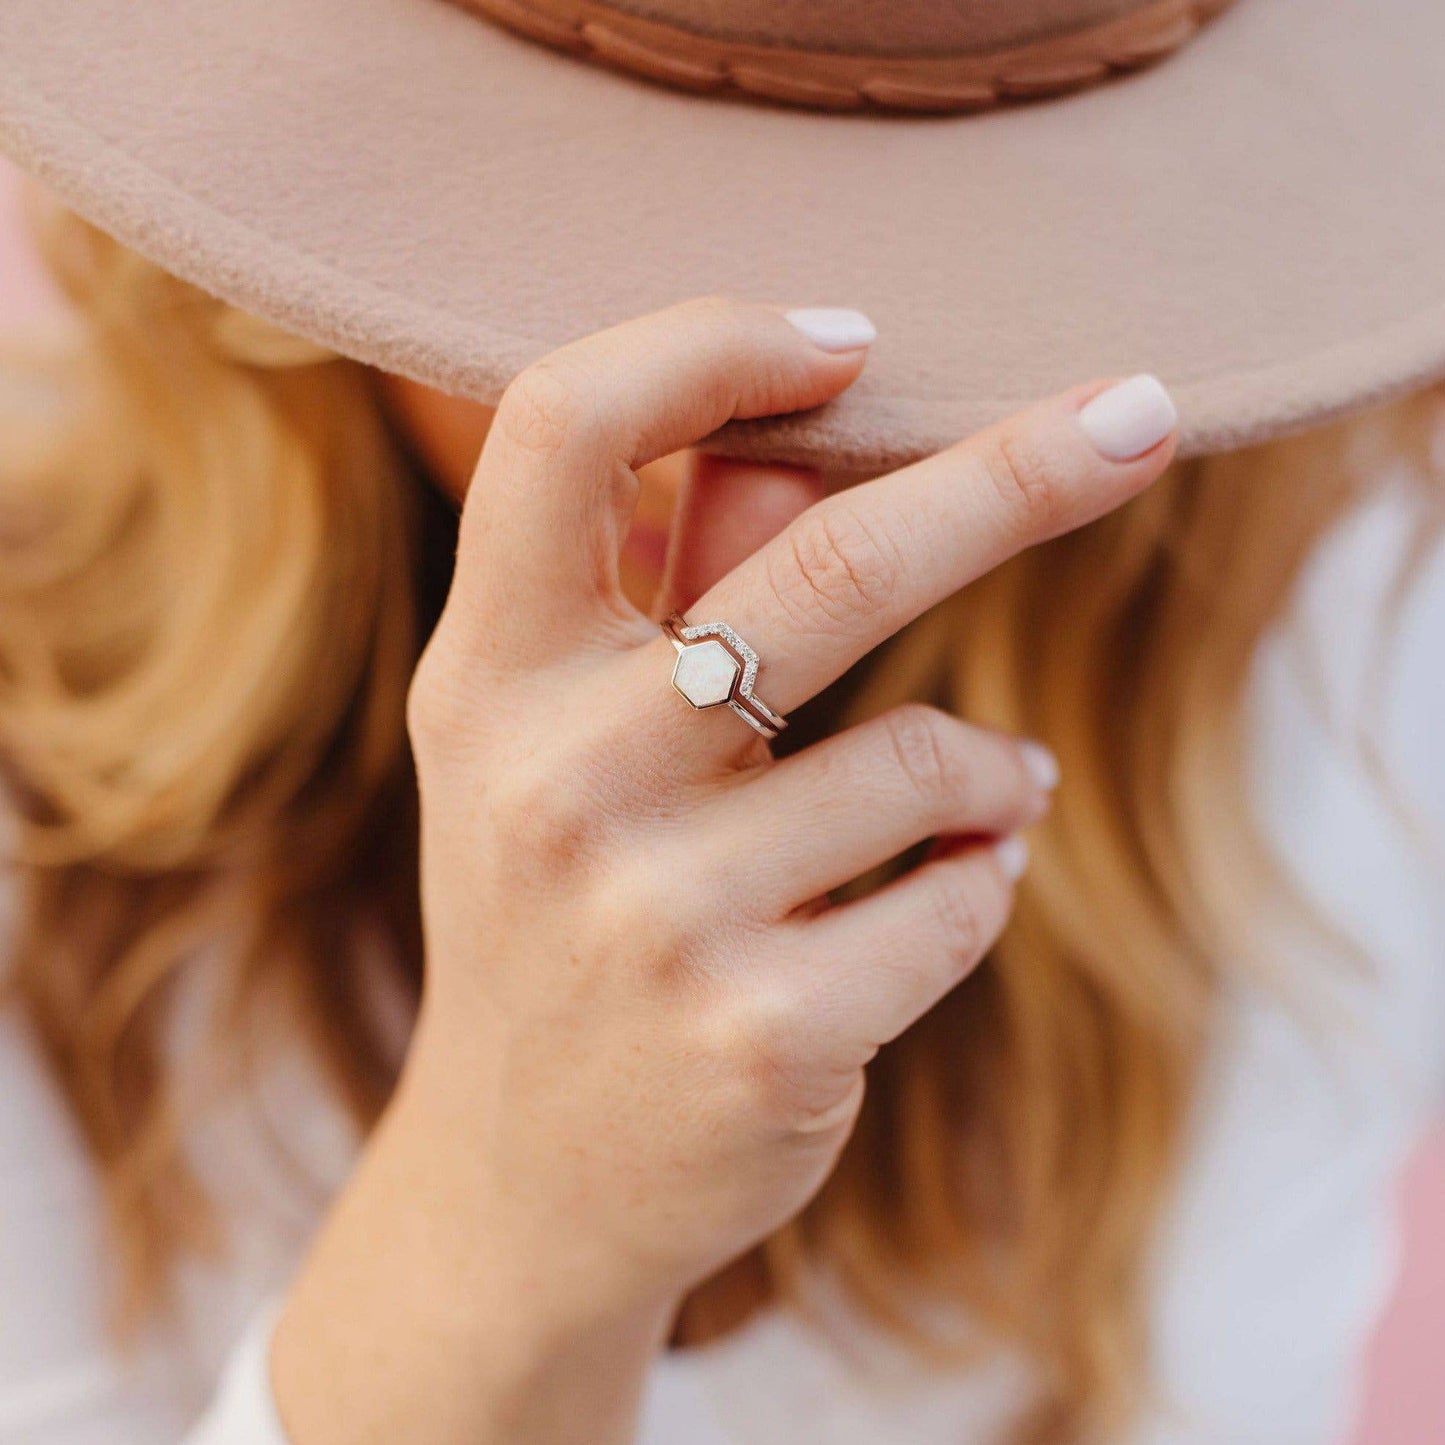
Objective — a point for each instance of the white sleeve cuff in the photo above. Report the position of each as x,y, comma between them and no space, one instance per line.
243,1410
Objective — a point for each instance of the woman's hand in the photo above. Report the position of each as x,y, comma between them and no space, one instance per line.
642,1040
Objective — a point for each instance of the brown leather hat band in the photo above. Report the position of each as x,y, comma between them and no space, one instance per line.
837,81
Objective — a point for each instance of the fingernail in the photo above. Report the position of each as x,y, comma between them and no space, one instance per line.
1130,418
1042,765
833,328
1013,857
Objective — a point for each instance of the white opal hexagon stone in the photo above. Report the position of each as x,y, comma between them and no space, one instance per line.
705,673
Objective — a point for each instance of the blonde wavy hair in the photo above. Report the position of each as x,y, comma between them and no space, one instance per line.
217,569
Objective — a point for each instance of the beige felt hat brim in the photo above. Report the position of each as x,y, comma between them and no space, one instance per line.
1260,219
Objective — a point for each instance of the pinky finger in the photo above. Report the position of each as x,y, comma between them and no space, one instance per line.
877,965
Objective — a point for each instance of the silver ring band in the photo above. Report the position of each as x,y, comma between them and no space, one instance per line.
714,667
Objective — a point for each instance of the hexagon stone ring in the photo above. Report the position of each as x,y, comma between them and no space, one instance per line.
715,666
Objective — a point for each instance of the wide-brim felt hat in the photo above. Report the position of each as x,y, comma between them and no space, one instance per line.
1247,199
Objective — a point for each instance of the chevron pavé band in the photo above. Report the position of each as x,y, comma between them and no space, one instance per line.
715,666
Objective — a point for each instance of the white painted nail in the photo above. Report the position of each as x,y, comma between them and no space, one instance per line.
833,328
1129,419
1042,765
1013,857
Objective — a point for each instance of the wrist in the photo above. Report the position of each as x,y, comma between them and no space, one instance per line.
543,1242
425,1285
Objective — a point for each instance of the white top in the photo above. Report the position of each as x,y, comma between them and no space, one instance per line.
1280,1249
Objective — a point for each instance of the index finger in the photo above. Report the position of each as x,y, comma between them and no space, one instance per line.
555,486
859,565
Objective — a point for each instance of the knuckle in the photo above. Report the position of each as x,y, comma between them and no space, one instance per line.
541,818
545,409
633,914
767,376
1024,477
745,366
714,307
727,323
964,919
920,743
436,706
423,708
763,1043
835,569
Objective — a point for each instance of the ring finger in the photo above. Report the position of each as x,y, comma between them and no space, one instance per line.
863,972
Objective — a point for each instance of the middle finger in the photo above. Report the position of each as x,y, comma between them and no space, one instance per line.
859,565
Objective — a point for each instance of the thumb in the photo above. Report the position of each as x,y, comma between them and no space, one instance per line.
725,511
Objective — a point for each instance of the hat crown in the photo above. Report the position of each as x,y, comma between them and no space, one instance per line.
884,27
909,55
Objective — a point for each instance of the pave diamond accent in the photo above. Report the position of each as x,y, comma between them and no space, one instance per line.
749,657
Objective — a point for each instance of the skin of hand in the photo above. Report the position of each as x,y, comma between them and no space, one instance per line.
642,1038
720,510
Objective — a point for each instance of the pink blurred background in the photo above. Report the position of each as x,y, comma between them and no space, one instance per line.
1405,1398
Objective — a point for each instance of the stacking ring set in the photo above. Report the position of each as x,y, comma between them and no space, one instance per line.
716,668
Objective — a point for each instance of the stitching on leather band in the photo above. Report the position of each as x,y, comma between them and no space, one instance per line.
834,81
